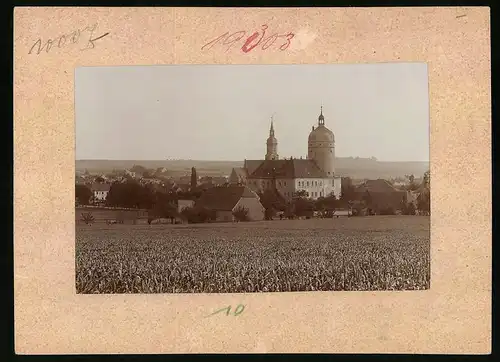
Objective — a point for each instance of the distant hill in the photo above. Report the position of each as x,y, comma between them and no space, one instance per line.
357,168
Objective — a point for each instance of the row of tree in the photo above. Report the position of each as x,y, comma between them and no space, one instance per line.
162,204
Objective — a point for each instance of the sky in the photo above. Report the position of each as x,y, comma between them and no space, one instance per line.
223,112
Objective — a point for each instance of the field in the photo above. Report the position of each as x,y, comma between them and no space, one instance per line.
365,253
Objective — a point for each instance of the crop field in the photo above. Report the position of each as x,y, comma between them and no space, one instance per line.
365,253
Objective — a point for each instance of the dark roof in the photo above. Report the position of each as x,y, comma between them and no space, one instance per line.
101,187
251,165
289,169
224,198
379,185
240,171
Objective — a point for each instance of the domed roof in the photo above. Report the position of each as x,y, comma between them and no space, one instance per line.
321,134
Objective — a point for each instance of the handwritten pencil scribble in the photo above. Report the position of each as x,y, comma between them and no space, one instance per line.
252,178
86,34
228,311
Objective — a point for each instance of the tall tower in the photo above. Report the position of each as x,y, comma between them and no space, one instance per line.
272,144
321,147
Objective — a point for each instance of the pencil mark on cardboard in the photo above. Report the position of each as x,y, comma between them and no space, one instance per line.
68,39
257,38
237,311
461,16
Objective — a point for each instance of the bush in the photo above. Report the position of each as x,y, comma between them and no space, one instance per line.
87,218
195,215
408,209
241,214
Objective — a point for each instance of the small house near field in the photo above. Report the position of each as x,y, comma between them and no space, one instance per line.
100,191
226,199
381,194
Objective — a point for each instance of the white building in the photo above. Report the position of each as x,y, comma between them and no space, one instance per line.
314,174
100,191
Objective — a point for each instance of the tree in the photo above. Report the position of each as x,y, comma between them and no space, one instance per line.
326,205
301,194
99,179
424,202
130,194
197,214
138,169
303,207
164,210
412,186
272,203
407,208
368,202
347,193
194,178
241,214
83,194
426,182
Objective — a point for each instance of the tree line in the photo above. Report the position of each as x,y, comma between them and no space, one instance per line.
163,204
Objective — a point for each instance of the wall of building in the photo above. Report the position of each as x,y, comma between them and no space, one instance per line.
323,153
286,187
255,209
224,216
101,215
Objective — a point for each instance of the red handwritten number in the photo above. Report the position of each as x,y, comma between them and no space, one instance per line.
245,48
251,42
289,37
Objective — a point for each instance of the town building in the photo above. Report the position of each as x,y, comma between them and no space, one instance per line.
381,195
224,200
100,191
314,174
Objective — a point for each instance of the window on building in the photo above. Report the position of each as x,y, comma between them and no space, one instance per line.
321,193
307,183
284,182
321,183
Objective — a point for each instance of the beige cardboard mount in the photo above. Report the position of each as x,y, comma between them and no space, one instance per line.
454,316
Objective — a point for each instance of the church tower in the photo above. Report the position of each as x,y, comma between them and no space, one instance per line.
272,144
321,147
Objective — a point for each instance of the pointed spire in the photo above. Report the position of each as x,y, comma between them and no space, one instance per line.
271,130
321,118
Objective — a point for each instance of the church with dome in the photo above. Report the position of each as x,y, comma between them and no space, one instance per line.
314,174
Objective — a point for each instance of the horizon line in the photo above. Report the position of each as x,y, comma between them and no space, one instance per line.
205,160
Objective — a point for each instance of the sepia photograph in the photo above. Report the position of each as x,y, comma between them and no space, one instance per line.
252,178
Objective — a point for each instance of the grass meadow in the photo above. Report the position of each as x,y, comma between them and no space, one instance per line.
357,253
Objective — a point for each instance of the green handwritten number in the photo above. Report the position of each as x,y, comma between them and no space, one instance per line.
239,309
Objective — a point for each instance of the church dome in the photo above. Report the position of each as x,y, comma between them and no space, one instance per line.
321,134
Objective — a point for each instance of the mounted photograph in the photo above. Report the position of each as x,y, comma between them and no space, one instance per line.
252,178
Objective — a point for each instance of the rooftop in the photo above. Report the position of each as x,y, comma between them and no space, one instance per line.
224,198
289,169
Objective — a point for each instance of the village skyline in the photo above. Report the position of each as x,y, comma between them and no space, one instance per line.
223,113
